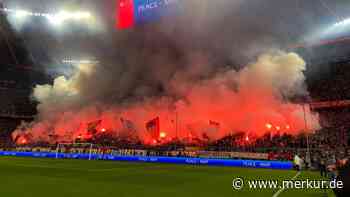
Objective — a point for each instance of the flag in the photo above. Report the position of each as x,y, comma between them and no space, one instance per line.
17,137
125,14
205,136
91,126
127,124
152,127
214,123
213,126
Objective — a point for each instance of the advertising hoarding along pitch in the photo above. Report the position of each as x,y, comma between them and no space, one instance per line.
282,165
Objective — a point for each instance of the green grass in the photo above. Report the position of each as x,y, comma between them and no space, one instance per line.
68,178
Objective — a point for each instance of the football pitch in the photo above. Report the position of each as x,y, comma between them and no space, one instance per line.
67,178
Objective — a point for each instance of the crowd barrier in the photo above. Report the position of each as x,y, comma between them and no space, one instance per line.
285,165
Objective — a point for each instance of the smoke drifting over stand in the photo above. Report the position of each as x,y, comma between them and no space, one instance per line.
244,100
182,69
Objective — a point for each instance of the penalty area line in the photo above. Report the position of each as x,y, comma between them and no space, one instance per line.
282,189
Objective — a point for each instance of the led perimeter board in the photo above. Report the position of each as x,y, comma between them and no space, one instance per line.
133,12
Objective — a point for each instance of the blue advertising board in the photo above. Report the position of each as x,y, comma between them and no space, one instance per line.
175,160
151,10
131,12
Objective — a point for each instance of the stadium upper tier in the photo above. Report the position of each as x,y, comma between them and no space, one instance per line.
328,71
17,78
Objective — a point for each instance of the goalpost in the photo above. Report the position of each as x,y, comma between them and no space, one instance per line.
75,145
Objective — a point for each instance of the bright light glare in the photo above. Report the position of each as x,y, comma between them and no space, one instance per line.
55,19
81,15
247,138
23,140
21,13
62,16
162,135
268,126
344,22
72,61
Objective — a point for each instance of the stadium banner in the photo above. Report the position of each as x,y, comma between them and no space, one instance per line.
153,128
151,10
245,155
131,12
285,165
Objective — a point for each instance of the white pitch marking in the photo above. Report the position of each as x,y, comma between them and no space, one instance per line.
282,189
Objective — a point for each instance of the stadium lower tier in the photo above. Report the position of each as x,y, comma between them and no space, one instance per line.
174,160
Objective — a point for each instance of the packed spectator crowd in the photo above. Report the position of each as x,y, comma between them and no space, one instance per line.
324,150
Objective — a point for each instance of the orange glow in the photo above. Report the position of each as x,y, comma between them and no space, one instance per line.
23,141
247,101
287,127
162,134
247,138
268,126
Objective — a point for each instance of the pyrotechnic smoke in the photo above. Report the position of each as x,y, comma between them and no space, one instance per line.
189,70
239,101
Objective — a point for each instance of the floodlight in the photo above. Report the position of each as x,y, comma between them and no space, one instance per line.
21,13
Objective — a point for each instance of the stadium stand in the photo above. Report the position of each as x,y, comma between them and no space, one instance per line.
17,78
327,79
